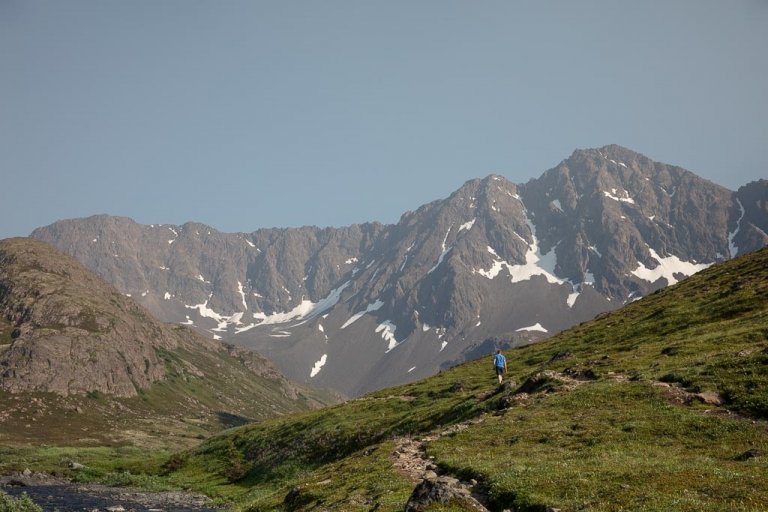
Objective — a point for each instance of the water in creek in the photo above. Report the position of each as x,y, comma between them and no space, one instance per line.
89,498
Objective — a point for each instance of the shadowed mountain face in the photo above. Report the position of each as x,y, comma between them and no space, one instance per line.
71,342
366,306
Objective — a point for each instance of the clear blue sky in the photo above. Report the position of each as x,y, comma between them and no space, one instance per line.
283,113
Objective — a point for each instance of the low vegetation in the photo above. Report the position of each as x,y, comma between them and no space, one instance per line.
21,504
203,393
661,405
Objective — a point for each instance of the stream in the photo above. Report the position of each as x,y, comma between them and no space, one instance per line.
62,496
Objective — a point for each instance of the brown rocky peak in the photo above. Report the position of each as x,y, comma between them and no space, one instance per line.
70,331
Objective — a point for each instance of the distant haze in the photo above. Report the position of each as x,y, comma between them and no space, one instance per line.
255,114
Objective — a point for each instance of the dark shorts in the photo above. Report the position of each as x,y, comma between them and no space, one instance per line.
499,370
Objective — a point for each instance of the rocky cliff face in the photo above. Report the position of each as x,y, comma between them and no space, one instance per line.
65,331
365,306
71,332
751,218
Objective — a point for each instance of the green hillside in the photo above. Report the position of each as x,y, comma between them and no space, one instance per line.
659,406
206,390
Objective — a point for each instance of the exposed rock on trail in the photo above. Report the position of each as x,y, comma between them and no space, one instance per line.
410,458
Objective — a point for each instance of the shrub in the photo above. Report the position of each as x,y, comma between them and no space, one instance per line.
21,504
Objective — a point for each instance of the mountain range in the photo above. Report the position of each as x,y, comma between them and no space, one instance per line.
362,307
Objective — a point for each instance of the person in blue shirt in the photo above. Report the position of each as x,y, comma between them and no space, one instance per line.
499,364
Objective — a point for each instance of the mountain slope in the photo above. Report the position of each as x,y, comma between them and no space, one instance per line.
367,306
658,406
71,342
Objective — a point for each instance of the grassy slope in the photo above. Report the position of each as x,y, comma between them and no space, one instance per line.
617,440
217,391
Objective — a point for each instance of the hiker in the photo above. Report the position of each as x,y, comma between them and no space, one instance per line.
499,364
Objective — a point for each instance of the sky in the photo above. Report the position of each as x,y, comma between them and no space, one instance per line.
251,114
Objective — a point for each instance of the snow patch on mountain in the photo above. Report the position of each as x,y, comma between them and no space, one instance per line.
306,310
467,225
535,327
387,330
354,318
405,260
536,263
571,300
667,268
578,288
734,249
205,311
242,294
235,319
442,254
223,321
624,199
318,366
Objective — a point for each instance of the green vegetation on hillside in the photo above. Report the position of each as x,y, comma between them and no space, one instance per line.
21,504
662,405
616,422
204,392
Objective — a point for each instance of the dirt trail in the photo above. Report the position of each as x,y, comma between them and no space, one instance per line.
410,459
410,455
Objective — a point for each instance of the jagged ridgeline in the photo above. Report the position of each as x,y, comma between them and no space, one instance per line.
80,361
661,405
370,305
